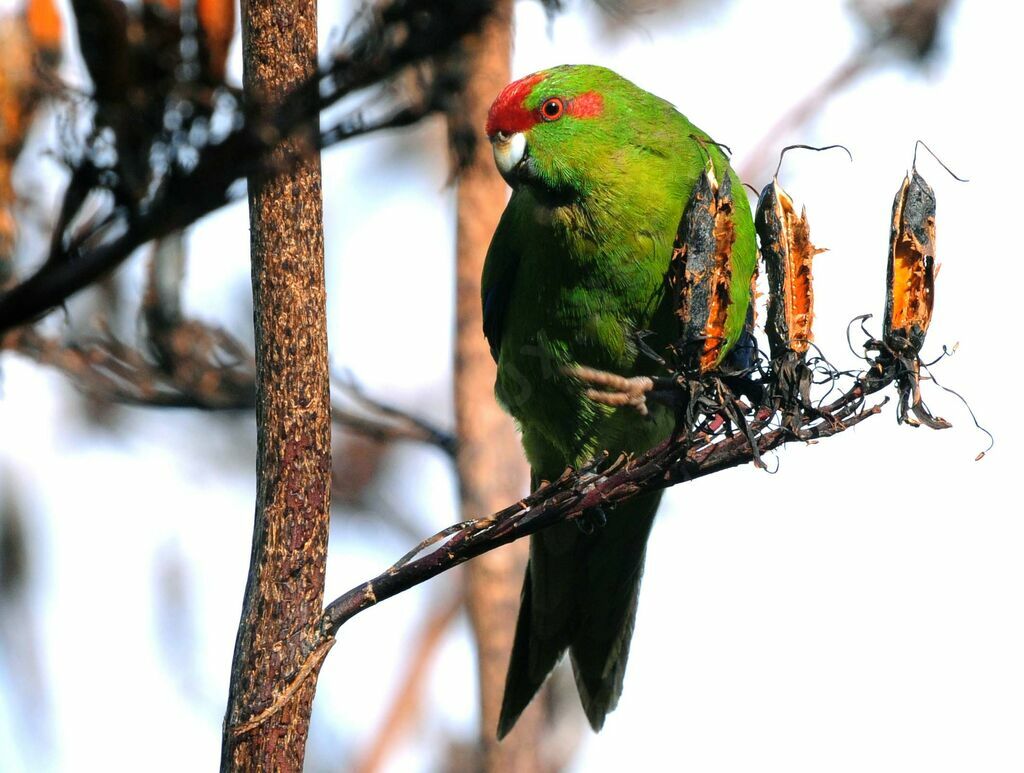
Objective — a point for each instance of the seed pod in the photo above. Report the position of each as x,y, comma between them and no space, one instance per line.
30,42
910,296
787,252
910,293
44,26
216,20
701,270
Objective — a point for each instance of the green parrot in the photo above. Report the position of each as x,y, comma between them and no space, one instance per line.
601,172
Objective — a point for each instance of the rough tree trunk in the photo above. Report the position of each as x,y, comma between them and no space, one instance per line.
490,461
266,727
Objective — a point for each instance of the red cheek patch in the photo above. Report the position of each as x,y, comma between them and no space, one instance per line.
587,105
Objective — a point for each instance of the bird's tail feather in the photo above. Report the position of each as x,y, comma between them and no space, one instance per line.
533,658
580,593
599,663
607,606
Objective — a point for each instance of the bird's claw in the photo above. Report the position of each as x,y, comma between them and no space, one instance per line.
614,390
645,349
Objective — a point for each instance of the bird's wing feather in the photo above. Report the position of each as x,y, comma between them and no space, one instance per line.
500,268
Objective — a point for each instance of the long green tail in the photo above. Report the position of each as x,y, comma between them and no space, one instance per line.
580,594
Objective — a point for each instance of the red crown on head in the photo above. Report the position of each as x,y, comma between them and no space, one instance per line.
508,113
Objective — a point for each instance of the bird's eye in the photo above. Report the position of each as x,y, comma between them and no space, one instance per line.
552,109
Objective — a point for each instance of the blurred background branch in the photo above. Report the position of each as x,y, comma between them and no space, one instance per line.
893,31
156,152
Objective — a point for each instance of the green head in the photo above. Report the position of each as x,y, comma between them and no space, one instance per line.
558,129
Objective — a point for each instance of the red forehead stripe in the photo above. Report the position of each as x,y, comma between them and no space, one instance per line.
509,113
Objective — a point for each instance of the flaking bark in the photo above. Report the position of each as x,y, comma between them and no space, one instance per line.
277,658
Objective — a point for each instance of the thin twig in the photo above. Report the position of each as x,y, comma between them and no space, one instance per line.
804,110
202,368
388,422
309,667
909,27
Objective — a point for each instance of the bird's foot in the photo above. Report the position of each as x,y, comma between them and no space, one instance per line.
592,519
614,390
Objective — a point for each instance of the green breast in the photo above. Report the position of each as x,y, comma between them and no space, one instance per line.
590,277
582,291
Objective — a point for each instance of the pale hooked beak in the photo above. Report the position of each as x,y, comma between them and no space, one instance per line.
508,151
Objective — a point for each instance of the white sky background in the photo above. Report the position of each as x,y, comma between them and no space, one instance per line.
859,610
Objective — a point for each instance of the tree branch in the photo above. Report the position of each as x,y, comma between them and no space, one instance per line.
194,177
599,484
207,369
278,650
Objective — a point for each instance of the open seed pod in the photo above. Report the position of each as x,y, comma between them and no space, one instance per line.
30,41
787,252
701,270
216,29
910,291
910,296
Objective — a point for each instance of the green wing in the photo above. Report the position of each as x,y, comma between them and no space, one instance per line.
500,268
